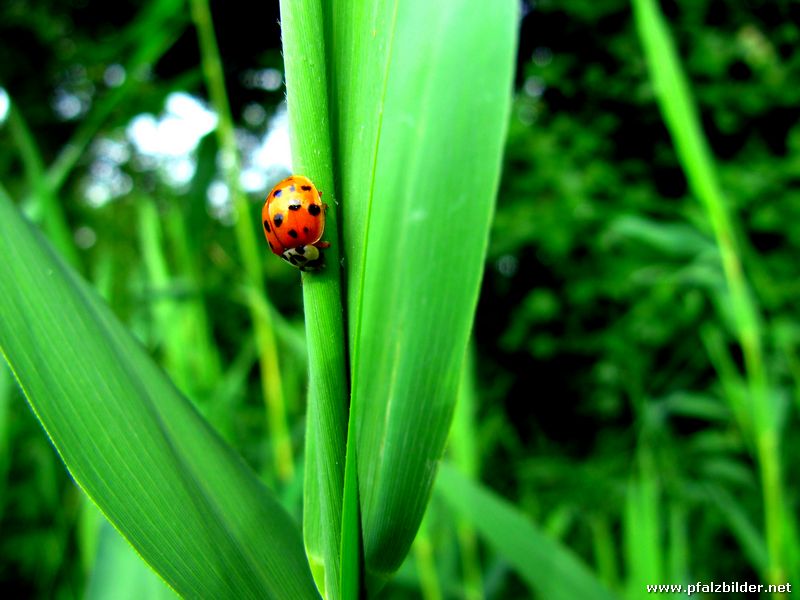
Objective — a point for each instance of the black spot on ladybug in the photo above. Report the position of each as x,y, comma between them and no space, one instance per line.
266,226
277,193
305,229
305,188
300,249
293,233
277,220
314,209
292,188
295,206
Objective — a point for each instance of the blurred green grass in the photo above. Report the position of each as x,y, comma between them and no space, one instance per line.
611,389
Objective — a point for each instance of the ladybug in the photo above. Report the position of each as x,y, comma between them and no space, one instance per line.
294,220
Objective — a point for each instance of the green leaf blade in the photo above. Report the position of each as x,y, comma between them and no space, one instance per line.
549,568
159,473
426,216
304,51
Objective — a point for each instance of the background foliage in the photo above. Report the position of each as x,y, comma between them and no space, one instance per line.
605,360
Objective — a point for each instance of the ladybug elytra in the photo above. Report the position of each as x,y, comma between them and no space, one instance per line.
293,218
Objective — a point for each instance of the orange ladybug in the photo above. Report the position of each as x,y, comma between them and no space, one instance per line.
294,221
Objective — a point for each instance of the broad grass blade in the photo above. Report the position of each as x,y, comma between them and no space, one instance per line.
184,499
421,100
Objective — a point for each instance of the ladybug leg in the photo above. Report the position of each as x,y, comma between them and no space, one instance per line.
314,265
321,244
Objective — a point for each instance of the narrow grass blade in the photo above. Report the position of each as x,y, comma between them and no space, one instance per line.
160,474
304,51
195,324
465,452
248,242
681,117
678,554
643,540
53,218
551,570
175,302
419,143
741,526
425,559
606,555
166,313
7,393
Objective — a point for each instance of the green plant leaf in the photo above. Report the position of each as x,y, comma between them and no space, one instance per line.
304,51
644,546
549,568
418,138
464,450
184,499
682,119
